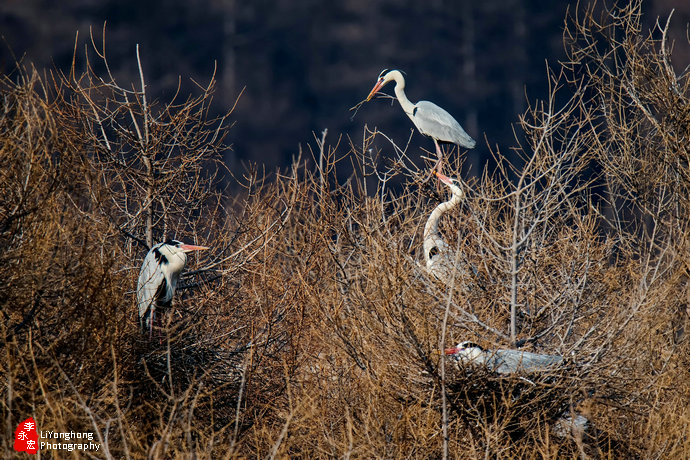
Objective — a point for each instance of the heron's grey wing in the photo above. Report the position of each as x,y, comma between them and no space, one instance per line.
534,362
512,361
434,121
499,362
151,279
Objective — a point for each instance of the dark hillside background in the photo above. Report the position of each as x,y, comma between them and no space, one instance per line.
304,64
314,324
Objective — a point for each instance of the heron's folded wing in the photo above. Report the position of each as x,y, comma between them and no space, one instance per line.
434,121
151,281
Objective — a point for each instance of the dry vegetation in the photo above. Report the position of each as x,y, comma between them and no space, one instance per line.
311,328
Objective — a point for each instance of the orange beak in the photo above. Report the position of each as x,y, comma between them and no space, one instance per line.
451,351
442,178
375,89
191,247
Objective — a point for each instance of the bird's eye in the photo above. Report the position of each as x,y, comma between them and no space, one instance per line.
433,251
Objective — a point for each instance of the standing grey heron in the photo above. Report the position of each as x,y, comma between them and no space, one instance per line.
439,257
158,279
430,119
503,362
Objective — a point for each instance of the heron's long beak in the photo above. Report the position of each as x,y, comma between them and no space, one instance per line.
442,178
191,247
451,351
375,89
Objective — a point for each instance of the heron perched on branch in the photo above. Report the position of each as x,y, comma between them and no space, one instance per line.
430,119
158,279
440,258
503,362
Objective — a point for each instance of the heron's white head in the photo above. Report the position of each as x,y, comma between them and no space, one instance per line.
384,78
173,254
465,351
453,184
174,247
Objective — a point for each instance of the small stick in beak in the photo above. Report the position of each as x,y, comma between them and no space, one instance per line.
374,90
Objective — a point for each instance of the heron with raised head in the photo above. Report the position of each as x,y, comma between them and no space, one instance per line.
439,257
158,279
430,119
503,362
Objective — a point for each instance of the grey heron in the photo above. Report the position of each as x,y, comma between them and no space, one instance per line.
430,119
158,279
503,362
439,257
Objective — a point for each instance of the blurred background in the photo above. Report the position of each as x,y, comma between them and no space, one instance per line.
300,65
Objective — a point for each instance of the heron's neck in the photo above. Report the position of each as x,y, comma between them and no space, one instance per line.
405,103
176,262
431,227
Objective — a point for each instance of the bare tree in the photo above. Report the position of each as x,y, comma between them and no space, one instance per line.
161,160
313,328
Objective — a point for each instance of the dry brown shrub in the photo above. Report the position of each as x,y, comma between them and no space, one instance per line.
311,329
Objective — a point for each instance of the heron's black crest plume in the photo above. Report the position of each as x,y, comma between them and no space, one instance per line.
160,257
470,345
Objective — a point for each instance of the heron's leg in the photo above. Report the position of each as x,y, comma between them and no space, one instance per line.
160,327
439,153
439,164
164,322
150,321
